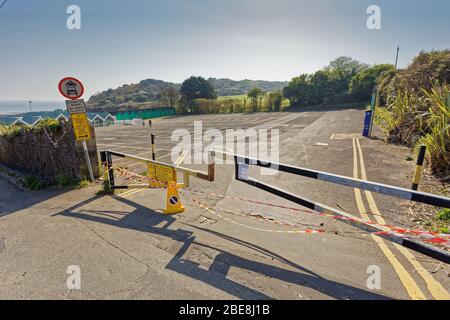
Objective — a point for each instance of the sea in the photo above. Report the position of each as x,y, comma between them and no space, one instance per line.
22,106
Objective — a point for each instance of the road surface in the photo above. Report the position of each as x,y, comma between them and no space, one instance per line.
227,249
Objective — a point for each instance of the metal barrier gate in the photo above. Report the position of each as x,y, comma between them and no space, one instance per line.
242,164
159,175
163,174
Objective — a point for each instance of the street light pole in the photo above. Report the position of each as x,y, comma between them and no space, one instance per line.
396,57
29,104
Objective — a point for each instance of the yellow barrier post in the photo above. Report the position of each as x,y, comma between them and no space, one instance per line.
419,166
152,136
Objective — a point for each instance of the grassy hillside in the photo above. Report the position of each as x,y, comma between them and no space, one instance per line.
227,87
136,95
147,93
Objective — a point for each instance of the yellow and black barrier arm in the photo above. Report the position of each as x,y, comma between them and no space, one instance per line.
242,164
108,170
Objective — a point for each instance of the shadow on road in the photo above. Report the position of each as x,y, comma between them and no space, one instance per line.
13,199
146,220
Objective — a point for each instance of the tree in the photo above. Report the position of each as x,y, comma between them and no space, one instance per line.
274,100
298,90
197,88
256,95
321,86
184,106
326,85
277,101
342,70
346,65
363,83
169,95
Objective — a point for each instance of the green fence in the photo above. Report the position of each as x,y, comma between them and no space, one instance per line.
145,114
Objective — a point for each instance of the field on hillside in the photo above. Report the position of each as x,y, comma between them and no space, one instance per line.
285,103
240,97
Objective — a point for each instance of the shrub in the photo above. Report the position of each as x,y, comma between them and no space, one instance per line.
206,106
436,130
32,183
105,189
83,184
232,105
425,69
63,180
363,83
445,230
273,101
443,215
385,119
11,131
51,124
415,118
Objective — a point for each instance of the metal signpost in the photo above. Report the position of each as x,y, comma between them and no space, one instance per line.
372,109
369,116
73,89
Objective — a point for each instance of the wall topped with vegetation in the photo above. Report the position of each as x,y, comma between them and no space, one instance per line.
47,152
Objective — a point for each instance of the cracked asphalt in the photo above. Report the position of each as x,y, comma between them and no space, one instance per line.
227,249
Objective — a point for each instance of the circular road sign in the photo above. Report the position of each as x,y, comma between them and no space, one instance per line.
173,200
71,88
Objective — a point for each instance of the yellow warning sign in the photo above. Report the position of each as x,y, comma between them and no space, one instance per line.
81,126
161,172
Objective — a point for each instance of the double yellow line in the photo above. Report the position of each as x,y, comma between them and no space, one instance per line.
129,193
414,291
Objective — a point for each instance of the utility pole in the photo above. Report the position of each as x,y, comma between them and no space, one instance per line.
396,57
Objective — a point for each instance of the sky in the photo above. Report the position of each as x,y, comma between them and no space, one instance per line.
127,41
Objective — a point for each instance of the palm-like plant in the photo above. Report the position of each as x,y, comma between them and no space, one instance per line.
436,131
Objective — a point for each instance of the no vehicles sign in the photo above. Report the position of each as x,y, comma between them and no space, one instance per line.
71,88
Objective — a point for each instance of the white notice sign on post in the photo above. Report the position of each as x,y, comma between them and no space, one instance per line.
76,106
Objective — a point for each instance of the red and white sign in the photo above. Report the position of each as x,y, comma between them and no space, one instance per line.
71,88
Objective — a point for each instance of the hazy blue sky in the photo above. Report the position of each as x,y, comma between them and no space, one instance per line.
127,41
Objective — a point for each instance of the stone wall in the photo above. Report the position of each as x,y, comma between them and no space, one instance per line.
34,153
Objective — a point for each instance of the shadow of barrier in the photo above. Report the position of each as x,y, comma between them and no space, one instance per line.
218,272
403,237
160,175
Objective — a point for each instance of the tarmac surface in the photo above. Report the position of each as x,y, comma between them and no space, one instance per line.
221,247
